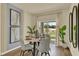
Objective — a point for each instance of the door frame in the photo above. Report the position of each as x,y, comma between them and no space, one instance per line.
56,29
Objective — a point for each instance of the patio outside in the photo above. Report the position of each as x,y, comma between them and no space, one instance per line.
50,27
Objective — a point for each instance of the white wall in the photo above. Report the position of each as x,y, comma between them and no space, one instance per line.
64,18
27,20
0,29
4,28
46,18
50,17
74,51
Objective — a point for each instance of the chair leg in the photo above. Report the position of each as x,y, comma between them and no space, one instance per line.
21,52
30,51
37,52
48,53
45,53
41,54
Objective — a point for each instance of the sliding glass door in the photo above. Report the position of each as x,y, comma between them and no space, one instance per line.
50,28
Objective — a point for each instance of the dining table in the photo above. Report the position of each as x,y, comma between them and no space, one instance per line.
34,41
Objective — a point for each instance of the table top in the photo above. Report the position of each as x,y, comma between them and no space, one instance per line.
32,40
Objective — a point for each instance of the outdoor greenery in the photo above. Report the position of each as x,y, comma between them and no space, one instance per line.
48,28
62,33
53,34
53,26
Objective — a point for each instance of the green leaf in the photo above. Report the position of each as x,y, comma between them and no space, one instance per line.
30,30
63,27
34,27
63,33
63,41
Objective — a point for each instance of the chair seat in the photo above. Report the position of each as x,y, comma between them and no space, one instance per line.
27,47
43,50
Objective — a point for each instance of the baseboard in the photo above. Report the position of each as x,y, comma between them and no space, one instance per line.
10,50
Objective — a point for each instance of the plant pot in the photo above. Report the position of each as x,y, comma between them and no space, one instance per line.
32,35
28,38
64,45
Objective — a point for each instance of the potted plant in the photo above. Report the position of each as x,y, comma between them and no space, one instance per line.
62,35
32,30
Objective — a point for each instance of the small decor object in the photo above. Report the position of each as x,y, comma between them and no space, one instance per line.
75,26
70,27
32,31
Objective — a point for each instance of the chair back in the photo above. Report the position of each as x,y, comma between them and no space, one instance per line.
44,44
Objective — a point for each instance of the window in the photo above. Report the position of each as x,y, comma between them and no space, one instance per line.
14,26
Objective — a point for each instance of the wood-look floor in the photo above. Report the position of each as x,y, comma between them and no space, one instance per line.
55,51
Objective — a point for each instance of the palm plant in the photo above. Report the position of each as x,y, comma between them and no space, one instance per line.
32,30
62,33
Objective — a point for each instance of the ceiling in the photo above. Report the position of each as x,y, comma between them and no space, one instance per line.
39,8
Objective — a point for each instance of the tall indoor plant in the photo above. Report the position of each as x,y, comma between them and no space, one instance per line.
62,34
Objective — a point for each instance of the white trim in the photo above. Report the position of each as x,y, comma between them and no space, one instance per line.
10,50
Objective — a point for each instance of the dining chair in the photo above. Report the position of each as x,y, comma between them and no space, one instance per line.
25,47
44,45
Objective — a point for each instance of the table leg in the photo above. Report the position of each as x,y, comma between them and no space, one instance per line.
34,49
